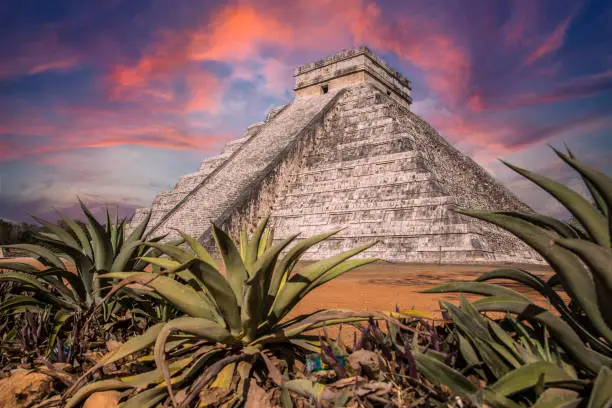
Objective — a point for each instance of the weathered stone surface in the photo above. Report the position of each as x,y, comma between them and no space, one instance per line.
24,388
366,362
356,158
103,399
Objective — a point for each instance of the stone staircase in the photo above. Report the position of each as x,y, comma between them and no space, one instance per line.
166,202
212,195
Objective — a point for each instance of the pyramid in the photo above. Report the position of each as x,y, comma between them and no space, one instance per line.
348,153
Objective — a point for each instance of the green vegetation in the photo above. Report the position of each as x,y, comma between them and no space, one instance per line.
72,299
582,260
196,330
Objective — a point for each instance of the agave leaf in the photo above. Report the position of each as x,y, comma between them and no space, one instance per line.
600,183
254,307
598,259
124,256
60,232
183,297
592,220
600,203
18,300
133,381
559,329
120,236
243,241
102,247
555,397
601,397
496,400
20,267
503,336
285,266
467,350
164,263
289,294
84,266
137,233
471,324
253,244
575,277
146,399
546,290
477,288
265,242
192,325
219,289
109,224
439,373
198,249
314,321
235,269
60,319
506,354
527,279
526,376
338,270
224,378
80,234
133,345
172,251
560,227
25,279
49,257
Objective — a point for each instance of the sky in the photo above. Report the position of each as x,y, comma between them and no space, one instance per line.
112,101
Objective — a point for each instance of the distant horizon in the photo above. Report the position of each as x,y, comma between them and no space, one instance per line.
114,102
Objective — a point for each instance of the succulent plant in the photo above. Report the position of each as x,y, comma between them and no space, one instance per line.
581,257
69,294
234,319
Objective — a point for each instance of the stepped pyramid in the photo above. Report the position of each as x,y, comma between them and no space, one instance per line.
347,152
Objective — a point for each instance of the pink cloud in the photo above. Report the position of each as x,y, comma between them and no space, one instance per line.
45,52
553,42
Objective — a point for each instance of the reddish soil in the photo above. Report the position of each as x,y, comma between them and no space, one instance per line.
381,286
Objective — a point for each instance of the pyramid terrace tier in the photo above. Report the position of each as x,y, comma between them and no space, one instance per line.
351,158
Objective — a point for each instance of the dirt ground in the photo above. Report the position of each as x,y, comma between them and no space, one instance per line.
382,285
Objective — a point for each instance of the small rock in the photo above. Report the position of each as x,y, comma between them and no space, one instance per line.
24,388
112,344
366,362
103,399
257,397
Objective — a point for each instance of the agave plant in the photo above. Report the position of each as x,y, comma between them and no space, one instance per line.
234,316
92,250
581,258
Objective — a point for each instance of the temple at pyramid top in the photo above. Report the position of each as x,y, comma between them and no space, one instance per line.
346,153
349,67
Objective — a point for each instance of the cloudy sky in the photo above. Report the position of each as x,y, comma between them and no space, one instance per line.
114,100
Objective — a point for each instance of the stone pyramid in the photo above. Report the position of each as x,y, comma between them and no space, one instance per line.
347,152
